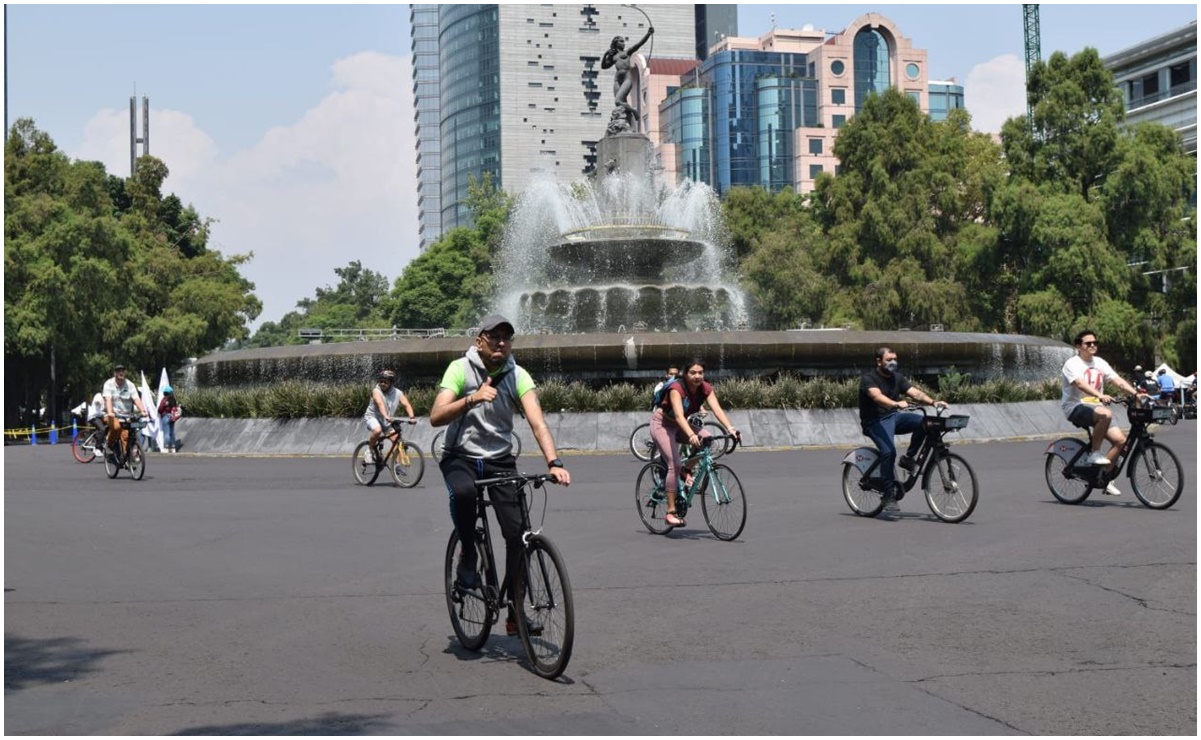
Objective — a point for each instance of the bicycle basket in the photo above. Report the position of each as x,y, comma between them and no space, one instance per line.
1149,415
945,423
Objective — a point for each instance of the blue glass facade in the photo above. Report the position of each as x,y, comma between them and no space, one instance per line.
944,97
871,65
469,59
755,100
688,127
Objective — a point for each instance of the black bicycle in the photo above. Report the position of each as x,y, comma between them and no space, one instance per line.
1155,473
542,607
947,480
128,454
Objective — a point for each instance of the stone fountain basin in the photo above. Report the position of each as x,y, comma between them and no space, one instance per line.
604,254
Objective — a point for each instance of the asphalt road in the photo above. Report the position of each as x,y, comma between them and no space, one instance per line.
273,596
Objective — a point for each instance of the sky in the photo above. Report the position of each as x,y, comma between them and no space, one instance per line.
292,125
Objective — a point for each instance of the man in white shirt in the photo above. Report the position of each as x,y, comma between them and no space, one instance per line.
120,399
1083,378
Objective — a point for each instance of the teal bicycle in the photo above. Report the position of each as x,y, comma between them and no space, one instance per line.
722,499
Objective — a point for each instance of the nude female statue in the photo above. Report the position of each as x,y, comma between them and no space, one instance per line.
618,56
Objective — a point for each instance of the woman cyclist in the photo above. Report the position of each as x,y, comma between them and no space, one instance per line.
669,426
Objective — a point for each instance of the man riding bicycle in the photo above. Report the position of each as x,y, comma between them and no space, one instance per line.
1083,378
120,398
880,398
385,397
477,397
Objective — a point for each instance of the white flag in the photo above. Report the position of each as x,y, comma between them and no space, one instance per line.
151,430
162,383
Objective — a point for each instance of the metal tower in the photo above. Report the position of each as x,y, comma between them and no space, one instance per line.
1034,52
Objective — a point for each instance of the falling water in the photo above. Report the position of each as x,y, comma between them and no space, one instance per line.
599,256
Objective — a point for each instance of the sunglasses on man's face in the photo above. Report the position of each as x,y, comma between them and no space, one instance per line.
1089,344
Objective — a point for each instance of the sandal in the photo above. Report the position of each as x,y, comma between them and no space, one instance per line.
673,520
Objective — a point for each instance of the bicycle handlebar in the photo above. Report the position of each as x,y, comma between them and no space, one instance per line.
521,478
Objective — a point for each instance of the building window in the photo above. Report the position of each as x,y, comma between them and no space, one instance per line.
814,171
915,96
837,67
1179,74
815,146
838,120
912,71
838,96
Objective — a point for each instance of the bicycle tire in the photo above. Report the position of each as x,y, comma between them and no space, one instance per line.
136,462
950,487
642,444
407,476
1151,476
83,447
1065,488
111,468
470,616
516,446
863,501
436,447
363,465
720,445
547,604
723,503
651,499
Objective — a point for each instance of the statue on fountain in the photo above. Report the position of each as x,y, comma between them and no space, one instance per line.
623,82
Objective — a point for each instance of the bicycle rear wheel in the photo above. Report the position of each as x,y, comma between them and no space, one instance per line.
83,447
1156,476
436,447
724,503
950,487
137,461
362,464
407,465
863,501
545,613
1064,486
516,446
651,498
470,616
642,444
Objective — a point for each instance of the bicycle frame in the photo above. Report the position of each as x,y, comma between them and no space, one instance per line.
868,462
1098,476
702,475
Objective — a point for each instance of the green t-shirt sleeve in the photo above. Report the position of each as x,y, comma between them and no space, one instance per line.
454,379
525,383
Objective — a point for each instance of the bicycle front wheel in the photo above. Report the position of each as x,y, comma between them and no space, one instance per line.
862,500
407,465
83,447
724,503
950,486
363,465
720,446
137,461
642,444
110,466
1156,476
651,498
545,613
470,616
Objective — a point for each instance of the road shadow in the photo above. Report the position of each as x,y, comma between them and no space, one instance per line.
330,723
33,662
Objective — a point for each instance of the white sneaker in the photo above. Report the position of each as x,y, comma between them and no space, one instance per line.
1112,490
1098,458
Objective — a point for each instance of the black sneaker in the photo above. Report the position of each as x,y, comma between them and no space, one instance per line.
890,504
908,464
467,575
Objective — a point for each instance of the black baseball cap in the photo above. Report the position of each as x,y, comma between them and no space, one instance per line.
118,366
490,323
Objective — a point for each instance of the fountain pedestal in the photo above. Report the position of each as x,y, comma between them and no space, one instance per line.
626,153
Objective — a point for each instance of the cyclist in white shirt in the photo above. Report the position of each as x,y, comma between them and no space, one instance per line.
120,398
384,399
1083,378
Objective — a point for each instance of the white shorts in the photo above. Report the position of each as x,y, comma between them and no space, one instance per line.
372,423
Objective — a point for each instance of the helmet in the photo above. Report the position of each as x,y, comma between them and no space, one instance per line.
1150,374
168,389
388,375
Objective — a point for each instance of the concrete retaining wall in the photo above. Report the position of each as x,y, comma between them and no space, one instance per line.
610,432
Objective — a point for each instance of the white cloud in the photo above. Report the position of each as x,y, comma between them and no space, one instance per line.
339,184
996,91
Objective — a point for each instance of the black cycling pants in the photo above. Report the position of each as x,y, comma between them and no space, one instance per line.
460,474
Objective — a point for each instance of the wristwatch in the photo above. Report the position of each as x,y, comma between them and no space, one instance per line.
556,463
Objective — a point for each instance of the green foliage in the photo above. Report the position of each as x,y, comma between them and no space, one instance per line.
357,302
99,269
